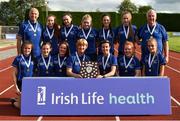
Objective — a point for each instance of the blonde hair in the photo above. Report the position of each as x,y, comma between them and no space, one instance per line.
131,31
151,40
149,11
81,42
33,9
126,12
86,16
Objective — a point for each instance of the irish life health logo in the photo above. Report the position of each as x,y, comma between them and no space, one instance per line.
41,95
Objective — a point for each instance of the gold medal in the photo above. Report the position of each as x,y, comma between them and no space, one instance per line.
149,70
126,70
47,72
34,34
60,70
66,39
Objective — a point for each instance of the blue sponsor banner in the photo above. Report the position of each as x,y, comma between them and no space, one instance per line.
105,96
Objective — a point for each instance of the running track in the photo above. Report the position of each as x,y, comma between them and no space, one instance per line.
7,112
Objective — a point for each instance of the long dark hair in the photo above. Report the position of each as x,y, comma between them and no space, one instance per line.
67,45
131,32
66,14
46,43
56,27
110,26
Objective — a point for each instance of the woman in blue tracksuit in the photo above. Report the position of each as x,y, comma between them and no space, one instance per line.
60,60
129,64
90,34
74,61
107,61
154,62
51,34
23,66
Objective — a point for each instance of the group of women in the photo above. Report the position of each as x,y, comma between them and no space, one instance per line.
57,51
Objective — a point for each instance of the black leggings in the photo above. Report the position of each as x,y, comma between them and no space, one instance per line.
19,84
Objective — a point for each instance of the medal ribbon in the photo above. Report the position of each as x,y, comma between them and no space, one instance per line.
126,66
59,61
29,61
87,33
105,64
104,34
34,30
151,32
151,61
46,65
79,59
126,33
67,33
50,35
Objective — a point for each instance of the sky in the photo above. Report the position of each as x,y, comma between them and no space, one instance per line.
168,6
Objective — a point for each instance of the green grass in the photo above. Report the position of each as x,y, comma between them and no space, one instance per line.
174,42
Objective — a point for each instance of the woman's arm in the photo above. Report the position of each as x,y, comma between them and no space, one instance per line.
162,67
14,73
111,73
71,74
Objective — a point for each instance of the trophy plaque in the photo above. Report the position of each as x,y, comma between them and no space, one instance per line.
89,69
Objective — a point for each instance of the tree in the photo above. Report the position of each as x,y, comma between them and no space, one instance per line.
127,5
13,12
8,12
144,9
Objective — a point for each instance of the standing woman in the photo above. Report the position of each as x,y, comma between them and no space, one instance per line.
44,63
23,66
51,33
125,32
90,34
68,32
106,33
153,63
60,60
74,61
153,29
30,30
107,61
128,64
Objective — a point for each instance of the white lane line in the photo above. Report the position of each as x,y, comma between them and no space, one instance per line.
175,100
5,69
172,69
117,118
40,118
6,89
174,58
169,56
